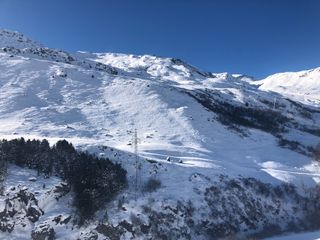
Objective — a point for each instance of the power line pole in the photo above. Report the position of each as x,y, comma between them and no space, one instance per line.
137,164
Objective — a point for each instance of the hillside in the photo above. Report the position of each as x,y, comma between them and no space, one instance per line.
196,130
301,86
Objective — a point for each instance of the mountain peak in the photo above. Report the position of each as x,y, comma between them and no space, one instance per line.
15,39
302,86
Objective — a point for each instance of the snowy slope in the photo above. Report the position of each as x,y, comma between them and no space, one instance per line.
180,113
301,86
16,39
45,98
301,236
38,99
41,195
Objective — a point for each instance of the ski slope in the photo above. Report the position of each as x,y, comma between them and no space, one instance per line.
52,99
302,86
99,99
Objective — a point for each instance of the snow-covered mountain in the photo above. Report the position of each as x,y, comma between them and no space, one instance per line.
17,40
301,86
193,126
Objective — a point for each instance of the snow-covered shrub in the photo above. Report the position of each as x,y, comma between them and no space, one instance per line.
293,145
151,185
173,221
234,115
43,232
312,209
3,174
316,152
258,208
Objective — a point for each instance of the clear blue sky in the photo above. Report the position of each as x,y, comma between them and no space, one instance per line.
256,37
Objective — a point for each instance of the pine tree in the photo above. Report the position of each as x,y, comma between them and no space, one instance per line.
93,180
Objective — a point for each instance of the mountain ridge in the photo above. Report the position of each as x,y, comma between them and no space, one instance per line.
196,130
278,82
70,91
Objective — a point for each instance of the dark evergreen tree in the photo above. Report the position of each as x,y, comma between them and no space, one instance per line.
93,180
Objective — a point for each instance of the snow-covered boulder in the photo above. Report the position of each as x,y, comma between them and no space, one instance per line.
43,232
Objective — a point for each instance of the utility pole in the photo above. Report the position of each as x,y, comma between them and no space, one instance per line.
137,164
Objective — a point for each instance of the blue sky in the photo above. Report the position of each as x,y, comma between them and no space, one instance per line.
256,37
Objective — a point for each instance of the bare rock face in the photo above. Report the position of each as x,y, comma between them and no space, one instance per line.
6,226
33,213
92,235
43,232
20,207
60,219
109,231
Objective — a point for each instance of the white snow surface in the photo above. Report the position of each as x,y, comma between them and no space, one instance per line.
300,236
16,39
43,98
43,189
302,86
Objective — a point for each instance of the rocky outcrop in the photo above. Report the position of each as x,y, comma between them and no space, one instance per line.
241,208
43,232
61,190
113,233
59,56
22,205
92,235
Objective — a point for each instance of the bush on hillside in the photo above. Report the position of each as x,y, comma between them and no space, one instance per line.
151,185
316,152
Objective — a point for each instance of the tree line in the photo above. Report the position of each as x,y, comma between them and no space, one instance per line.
93,180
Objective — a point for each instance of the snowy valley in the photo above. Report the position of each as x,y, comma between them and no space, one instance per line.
207,155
